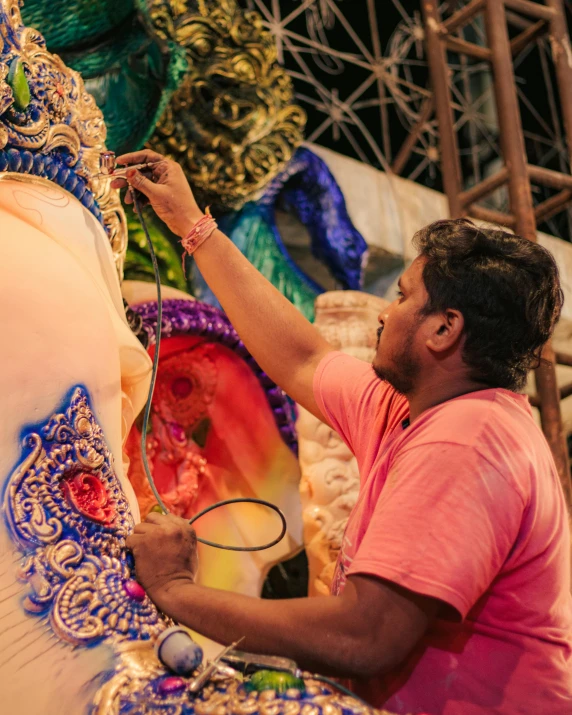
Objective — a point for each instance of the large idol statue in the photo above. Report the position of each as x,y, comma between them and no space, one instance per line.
78,631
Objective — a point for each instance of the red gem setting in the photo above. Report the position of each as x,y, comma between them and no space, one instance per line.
88,496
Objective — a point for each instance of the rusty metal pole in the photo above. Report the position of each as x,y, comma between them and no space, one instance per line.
562,56
436,54
513,149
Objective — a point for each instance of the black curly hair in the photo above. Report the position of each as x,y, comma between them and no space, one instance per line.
506,287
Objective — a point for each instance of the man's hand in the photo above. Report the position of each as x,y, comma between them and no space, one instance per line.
168,192
285,345
165,551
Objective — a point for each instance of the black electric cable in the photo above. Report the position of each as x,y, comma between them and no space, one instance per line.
147,412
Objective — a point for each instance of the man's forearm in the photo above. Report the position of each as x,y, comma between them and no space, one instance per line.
315,633
279,337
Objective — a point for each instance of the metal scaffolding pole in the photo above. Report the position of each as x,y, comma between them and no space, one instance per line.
516,173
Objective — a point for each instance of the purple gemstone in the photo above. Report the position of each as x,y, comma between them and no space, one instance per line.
134,590
178,432
170,685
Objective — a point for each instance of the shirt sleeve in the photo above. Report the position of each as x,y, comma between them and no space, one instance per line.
443,526
355,401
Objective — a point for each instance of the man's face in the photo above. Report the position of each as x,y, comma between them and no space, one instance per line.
400,347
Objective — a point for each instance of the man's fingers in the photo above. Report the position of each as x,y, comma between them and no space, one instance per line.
118,183
141,183
180,521
153,517
143,528
139,157
160,170
132,541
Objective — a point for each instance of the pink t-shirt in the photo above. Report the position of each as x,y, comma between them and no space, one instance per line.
464,505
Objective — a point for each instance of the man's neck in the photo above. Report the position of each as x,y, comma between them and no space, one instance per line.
436,392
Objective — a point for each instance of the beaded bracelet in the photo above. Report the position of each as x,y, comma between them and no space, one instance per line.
203,229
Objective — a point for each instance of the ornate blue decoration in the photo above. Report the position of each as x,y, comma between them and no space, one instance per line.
65,508
308,189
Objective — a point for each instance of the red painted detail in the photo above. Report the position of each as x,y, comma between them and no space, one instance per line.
87,495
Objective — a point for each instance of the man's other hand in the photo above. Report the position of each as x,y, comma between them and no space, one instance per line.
165,551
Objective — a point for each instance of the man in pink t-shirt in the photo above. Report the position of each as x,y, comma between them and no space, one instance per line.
452,589
463,505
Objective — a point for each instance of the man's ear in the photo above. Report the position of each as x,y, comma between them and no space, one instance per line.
446,330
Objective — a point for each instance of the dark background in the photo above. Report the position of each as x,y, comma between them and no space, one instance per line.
325,77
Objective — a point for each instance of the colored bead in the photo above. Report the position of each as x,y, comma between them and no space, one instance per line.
134,590
171,685
177,432
273,681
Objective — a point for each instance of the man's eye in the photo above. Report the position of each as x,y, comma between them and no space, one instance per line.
399,294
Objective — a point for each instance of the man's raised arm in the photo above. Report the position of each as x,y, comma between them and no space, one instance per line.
283,342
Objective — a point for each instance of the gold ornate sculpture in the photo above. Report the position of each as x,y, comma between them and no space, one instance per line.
45,110
231,124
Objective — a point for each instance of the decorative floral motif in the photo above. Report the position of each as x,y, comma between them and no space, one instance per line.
185,317
66,510
88,495
60,133
186,386
169,445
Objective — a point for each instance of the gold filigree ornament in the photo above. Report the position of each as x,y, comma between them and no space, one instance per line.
232,124
46,113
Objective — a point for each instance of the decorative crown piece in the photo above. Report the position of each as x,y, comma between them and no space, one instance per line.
50,126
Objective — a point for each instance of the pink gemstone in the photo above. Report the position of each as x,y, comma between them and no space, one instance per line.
170,685
134,590
178,432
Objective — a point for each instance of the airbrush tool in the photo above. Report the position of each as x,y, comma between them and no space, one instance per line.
198,683
108,166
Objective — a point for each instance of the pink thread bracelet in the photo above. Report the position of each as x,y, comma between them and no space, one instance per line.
203,229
